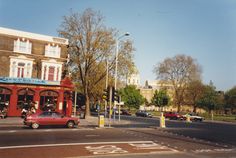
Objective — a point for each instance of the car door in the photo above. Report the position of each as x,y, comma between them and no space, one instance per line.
45,118
58,119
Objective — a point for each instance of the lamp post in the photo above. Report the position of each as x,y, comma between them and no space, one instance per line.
117,52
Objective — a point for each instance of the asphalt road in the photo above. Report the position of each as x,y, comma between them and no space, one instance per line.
218,132
179,139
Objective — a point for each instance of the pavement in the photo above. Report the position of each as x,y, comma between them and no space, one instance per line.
89,122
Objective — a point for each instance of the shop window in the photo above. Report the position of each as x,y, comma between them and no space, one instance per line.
52,51
22,46
25,98
5,95
48,100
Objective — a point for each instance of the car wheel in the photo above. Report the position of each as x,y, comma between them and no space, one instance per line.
35,125
70,124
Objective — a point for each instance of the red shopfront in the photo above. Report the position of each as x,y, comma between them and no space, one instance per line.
14,93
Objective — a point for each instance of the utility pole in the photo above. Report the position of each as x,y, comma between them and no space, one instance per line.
75,103
106,88
110,102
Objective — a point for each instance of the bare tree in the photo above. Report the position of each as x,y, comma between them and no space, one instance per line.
91,44
178,71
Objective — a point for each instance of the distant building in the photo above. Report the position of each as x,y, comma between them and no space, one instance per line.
148,90
134,79
32,67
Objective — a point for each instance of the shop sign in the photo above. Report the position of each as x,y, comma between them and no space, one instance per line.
28,81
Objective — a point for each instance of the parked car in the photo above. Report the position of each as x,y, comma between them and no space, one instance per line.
193,117
143,114
173,116
50,118
125,112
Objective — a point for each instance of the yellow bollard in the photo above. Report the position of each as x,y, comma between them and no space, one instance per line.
162,121
101,121
188,118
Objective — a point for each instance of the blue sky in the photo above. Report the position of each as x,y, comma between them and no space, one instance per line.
203,29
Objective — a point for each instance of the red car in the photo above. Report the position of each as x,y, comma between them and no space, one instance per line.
173,116
50,118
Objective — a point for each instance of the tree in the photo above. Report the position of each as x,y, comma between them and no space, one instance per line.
230,99
210,100
132,97
178,71
91,44
160,98
193,93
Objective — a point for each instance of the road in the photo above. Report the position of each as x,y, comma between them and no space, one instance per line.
219,132
141,137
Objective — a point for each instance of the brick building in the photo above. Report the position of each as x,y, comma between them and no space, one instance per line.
31,70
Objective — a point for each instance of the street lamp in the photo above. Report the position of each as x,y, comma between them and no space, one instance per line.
117,51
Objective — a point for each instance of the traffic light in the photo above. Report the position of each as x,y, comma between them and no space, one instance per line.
115,95
106,94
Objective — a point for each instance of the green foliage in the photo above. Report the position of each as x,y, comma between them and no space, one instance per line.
160,98
210,99
230,98
132,97
193,93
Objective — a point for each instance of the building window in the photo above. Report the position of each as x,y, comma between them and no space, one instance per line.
28,69
13,68
21,67
51,71
52,51
45,71
22,46
20,70
58,70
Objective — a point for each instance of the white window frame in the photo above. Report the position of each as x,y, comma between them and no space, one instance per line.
52,50
28,68
56,65
18,47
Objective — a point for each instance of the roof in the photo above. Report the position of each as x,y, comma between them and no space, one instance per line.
29,35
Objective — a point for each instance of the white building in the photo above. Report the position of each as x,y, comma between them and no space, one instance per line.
134,79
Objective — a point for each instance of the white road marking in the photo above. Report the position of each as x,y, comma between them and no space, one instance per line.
106,149
92,135
212,150
69,144
12,131
45,130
